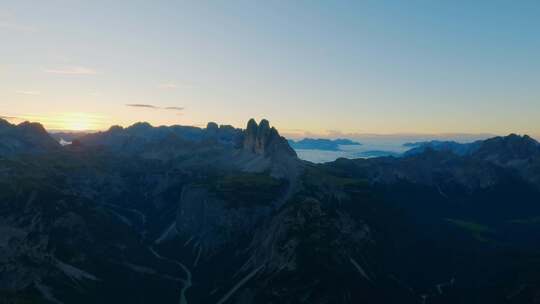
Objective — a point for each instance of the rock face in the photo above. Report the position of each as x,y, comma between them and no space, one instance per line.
296,225
263,149
212,221
265,140
212,128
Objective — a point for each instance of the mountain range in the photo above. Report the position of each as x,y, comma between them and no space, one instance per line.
221,215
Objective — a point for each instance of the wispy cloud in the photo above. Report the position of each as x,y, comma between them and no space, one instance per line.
9,117
28,92
142,105
167,86
72,70
154,107
11,26
175,85
174,108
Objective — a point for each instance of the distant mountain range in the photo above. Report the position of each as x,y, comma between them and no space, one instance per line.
455,147
321,143
225,215
512,146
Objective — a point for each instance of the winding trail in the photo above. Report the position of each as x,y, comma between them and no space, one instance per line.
166,234
141,215
359,269
442,193
46,293
186,282
239,284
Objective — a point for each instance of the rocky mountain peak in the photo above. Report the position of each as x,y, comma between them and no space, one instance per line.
212,130
212,127
264,126
25,138
252,127
508,148
264,140
32,128
4,123
140,127
115,128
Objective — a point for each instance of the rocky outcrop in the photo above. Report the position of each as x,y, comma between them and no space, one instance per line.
263,149
298,224
265,140
209,221
212,128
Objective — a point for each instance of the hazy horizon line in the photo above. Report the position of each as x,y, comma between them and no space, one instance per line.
300,134
452,136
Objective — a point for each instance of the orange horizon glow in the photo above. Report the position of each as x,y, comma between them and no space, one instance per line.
90,122
312,69
69,121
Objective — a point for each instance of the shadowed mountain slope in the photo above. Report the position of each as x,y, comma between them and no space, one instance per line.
25,138
222,215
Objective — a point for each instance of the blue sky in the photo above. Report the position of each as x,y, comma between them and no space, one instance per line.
310,67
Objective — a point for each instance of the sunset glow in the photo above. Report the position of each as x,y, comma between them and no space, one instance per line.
76,121
311,68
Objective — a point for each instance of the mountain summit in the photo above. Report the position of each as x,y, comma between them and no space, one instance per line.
25,138
511,148
264,140
263,149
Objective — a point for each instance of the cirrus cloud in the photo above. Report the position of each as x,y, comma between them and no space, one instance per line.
175,108
72,70
11,26
154,107
175,85
168,86
141,105
28,92
9,118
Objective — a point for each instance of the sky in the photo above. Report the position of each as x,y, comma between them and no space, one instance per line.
310,67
